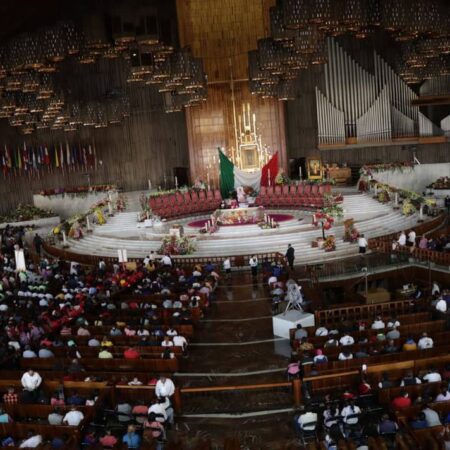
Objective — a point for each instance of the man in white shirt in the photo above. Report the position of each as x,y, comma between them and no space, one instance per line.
425,342
31,380
362,244
433,376
444,396
306,421
166,260
253,263
73,418
32,441
441,305
346,340
349,411
432,417
163,410
164,387
180,341
322,331
402,239
435,289
227,267
343,356
412,238
378,323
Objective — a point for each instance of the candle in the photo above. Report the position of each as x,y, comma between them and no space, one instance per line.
110,208
207,179
88,224
396,199
206,225
176,182
64,238
268,176
149,185
300,172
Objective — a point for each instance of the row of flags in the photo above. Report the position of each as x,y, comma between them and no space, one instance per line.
33,160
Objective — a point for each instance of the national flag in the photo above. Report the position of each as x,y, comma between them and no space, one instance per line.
68,157
232,177
34,159
56,157
8,158
61,155
46,157
19,159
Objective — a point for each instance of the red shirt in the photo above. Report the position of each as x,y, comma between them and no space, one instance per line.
131,353
108,441
401,402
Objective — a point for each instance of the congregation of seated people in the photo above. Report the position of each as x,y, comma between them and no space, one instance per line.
58,319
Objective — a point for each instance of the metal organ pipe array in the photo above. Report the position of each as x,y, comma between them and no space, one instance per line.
369,107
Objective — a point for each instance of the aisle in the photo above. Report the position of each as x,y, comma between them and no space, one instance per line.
234,345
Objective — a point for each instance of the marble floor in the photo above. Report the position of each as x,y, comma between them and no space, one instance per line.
235,346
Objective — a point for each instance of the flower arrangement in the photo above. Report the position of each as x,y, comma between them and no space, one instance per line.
440,183
430,202
351,234
25,212
334,210
329,244
174,245
281,178
383,196
408,208
370,169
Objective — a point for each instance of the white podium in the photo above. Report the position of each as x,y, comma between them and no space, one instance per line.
282,323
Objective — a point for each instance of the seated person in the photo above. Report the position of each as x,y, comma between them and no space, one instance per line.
385,382
300,332
344,355
391,347
409,379
346,339
33,440
131,439
443,396
306,421
320,358
73,418
5,417
108,440
393,322
350,413
378,323
401,401
409,345
321,331
425,342
432,376
431,416
330,416
419,422
387,426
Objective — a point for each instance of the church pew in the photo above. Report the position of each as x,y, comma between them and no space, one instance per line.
385,396
184,330
356,312
109,365
117,351
404,319
414,329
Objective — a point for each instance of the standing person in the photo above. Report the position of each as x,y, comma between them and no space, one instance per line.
227,267
402,239
254,266
411,239
362,244
31,381
290,256
37,241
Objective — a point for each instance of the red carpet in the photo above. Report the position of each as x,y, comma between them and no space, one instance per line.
276,217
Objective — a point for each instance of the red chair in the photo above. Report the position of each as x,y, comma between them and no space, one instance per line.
195,204
314,190
210,199
270,197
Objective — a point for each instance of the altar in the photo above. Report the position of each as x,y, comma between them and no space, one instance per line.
239,216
